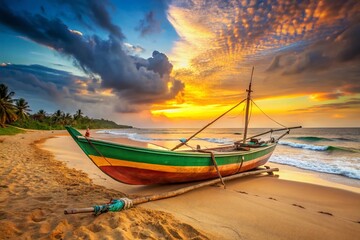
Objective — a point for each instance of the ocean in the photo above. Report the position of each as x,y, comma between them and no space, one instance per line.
326,150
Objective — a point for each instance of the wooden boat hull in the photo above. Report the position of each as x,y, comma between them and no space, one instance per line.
143,166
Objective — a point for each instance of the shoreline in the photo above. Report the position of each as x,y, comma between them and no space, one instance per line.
308,199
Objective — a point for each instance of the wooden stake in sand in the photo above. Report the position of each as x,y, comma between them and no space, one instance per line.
125,203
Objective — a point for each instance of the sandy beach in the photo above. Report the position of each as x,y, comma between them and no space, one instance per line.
44,172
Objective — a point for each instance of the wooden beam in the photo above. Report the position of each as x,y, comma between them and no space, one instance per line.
180,191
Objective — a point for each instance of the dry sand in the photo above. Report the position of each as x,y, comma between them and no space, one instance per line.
35,189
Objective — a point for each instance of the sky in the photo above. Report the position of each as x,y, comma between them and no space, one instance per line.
182,63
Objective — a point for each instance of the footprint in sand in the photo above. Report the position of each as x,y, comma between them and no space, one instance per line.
272,198
43,199
297,205
242,192
37,215
325,213
3,215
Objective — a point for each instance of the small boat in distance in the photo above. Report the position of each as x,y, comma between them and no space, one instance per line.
145,166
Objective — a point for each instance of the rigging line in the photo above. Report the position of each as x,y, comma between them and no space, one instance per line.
188,139
268,115
92,145
251,107
237,115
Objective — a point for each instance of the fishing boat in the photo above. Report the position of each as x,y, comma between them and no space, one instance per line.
144,166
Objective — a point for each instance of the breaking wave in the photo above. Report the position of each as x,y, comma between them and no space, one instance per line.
342,167
318,139
317,147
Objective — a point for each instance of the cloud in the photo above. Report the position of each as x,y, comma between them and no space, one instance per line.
322,54
144,84
96,11
148,25
159,63
47,83
132,49
234,30
348,43
351,104
297,48
275,63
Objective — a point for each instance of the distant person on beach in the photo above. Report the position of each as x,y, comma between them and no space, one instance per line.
87,133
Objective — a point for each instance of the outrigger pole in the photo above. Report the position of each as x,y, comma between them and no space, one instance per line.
273,130
126,203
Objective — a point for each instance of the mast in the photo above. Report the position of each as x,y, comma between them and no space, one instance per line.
247,106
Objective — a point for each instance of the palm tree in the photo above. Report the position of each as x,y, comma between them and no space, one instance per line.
79,114
22,109
67,119
7,108
57,116
40,115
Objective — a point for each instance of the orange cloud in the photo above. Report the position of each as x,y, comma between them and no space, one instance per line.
220,41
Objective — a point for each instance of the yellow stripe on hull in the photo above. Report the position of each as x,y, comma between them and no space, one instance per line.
108,162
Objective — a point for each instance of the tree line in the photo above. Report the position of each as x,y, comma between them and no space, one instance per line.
17,113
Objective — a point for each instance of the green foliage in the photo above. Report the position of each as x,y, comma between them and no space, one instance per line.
59,121
10,130
7,108
22,108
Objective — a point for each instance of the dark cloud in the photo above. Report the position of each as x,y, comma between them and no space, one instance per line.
352,103
348,43
96,11
158,63
148,25
353,87
49,89
47,83
323,54
133,79
275,63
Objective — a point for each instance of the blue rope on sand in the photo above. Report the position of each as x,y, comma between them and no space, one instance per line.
115,205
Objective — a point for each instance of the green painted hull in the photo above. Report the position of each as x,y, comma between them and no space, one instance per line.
143,166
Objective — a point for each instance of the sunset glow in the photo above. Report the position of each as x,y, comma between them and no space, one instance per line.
189,61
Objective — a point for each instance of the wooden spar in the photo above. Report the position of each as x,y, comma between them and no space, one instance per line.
270,131
247,107
177,192
183,143
199,185
215,164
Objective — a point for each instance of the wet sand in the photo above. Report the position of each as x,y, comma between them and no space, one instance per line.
37,185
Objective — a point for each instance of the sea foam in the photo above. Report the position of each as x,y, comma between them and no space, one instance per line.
341,167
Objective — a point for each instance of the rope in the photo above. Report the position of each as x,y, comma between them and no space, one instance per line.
267,115
251,107
215,164
92,145
242,161
115,205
